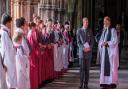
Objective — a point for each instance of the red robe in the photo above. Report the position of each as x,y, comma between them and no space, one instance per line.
40,66
48,57
34,59
42,62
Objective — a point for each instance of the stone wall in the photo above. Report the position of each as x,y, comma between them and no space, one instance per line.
51,9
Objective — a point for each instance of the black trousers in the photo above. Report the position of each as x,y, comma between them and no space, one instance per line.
84,71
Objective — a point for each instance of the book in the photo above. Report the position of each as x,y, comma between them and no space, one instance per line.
86,45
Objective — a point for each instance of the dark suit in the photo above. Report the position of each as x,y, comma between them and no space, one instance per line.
83,36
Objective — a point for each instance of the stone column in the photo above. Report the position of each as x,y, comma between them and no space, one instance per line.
16,9
87,10
12,15
51,9
2,7
25,10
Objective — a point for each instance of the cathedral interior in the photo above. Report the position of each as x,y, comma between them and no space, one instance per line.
73,11
69,10
63,10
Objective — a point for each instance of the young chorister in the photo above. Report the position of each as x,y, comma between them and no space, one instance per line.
34,58
3,84
22,55
22,63
8,52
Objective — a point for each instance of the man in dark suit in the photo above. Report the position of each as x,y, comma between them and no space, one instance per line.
85,44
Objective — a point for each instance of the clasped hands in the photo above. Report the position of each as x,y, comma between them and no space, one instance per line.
87,50
105,44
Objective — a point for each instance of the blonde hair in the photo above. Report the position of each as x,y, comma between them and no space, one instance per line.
85,19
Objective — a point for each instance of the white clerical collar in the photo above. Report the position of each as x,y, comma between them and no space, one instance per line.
84,28
5,27
106,28
29,32
17,44
19,30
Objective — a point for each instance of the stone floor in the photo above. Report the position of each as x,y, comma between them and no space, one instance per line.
70,80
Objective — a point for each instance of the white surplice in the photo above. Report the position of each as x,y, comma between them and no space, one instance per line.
3,84
22,67
58,58
66,54
113,58
8,53
24,42
26,52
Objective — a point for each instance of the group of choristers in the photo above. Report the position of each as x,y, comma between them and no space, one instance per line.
35,53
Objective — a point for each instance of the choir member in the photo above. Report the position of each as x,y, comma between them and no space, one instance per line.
58,61
32,38
8,52
3,84
66,47
22,63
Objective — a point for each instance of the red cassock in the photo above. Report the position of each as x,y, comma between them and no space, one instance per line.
51,62
35,56
47,63
48,57
43,65
40,66
42,61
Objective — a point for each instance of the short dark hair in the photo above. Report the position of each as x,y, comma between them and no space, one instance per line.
41,21
20,22
49,20
5,19
38,17
55,22
66,23
32,24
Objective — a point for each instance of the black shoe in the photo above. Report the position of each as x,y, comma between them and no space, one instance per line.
81,87
113,86
86,87
104,88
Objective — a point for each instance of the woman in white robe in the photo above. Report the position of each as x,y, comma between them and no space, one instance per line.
111,79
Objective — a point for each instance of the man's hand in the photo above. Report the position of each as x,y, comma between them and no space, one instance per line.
44,46
49,46
87,50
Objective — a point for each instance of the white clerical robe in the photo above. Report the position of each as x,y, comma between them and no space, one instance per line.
113,58
58,62
26,51
66,54
8,53
3,84
24,42
22,67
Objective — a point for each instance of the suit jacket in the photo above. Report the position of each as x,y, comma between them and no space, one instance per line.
84,36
